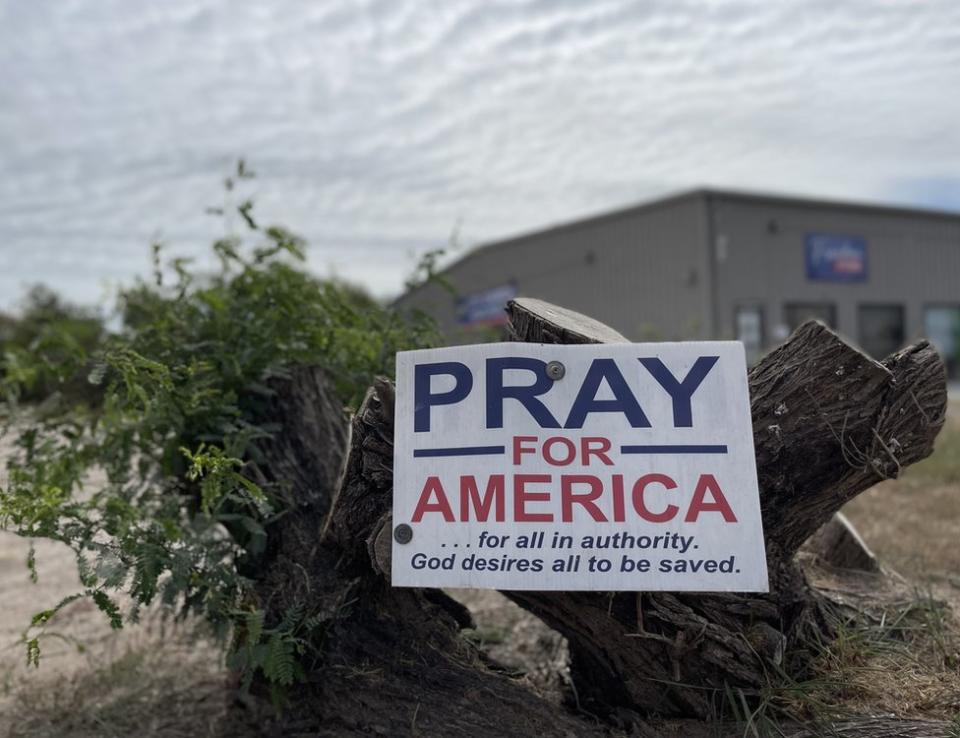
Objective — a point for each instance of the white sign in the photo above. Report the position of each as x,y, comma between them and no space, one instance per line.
603,467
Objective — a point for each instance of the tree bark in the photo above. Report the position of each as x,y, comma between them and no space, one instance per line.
838,544
828,422
385,661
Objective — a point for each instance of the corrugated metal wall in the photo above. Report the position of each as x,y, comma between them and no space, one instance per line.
913,260
680,268
642,271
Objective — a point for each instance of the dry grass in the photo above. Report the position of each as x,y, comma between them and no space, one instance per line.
904,665
518,641
907,664
906,660
168,685
912,523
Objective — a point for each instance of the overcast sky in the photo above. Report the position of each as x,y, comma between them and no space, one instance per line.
377,128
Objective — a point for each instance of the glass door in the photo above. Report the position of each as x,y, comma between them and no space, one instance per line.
881,329
797,313
941,324
748,325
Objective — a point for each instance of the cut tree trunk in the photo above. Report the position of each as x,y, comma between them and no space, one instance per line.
828,423
838,544
383,661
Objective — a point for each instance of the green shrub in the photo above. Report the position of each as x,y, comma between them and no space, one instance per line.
45,350
177,517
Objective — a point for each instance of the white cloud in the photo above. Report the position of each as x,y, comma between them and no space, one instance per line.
376,126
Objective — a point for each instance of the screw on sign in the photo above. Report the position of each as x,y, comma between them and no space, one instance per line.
403,533
636,472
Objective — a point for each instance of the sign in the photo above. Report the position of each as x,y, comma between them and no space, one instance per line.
833,258
601,467
485,308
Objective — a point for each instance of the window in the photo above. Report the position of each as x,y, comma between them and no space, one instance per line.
797,313
748,328
941,324
881,329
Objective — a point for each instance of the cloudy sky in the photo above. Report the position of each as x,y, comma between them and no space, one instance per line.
378,128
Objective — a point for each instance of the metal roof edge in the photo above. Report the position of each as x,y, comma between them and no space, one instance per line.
821,202
485,248
706,194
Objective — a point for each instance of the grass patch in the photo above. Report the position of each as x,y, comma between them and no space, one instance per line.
161,689
911,523
943,466
954,731
907,664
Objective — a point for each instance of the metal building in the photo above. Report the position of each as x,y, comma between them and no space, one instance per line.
722,264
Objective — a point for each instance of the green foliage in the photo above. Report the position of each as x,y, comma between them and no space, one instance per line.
152,492
278,652
33,652
45,350
428,270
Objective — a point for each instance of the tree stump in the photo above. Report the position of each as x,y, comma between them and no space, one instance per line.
828,423
383,661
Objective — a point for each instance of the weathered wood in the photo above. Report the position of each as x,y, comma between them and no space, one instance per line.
828,423
536,321
838,543
387,661
307,417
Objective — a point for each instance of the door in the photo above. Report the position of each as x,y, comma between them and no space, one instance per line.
748,328
941,324
797,313
881,329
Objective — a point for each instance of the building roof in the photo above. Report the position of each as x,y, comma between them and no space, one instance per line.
707,194
817,202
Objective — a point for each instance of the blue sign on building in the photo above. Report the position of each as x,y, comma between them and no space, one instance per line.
836,258
485,308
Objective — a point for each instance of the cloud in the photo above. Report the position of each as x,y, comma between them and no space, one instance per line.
941,192
375,127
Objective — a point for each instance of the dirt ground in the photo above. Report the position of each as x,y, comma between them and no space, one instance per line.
164,680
